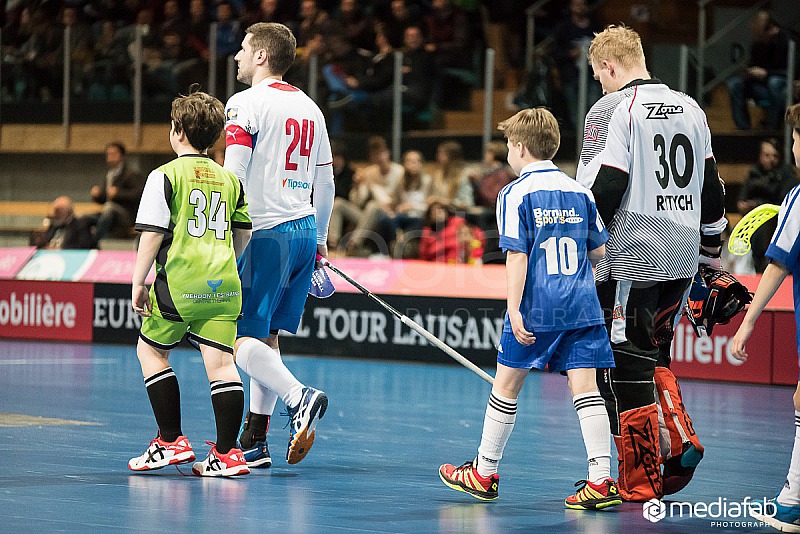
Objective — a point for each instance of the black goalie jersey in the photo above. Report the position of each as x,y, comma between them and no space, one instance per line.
647,157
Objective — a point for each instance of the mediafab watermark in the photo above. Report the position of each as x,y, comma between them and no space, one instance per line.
655,510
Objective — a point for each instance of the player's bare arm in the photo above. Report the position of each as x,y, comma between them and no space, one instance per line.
597,254
771,280
241,237
516,271
149,243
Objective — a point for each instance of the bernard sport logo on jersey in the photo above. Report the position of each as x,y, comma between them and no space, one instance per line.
545,217
658,110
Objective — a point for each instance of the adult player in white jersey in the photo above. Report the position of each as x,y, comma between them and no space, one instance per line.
277,144
647,158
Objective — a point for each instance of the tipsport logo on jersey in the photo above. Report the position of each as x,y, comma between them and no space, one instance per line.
291,183
543,217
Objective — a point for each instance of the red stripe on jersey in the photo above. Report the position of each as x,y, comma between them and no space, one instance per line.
324,164
283,86
630,117
236,135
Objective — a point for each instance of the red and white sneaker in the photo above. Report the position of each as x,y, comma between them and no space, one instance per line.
467,479
594,496
161,453
217,464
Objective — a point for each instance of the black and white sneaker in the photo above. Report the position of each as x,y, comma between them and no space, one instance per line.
217,464
162,453
304,418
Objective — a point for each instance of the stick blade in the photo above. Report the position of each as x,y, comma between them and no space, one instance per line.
321,285
739,242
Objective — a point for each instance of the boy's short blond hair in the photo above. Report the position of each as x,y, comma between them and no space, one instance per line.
793,117
537,130
200,116
619,44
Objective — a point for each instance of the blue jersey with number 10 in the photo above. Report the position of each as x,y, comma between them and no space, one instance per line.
553,219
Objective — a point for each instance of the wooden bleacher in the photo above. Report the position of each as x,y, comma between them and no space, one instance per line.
18,219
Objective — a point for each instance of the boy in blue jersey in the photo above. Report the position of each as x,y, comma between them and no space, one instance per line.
551,232
784,256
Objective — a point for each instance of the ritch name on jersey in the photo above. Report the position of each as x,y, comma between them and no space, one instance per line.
674,203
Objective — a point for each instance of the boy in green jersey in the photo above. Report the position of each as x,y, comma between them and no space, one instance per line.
194,223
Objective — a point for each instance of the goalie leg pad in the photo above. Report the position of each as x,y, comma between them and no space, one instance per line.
683,451
627,386
638,455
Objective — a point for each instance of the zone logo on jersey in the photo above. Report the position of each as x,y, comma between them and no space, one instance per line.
232,114
592,133
545,217
658,110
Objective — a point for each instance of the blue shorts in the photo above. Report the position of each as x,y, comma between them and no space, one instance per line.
586,347
276,273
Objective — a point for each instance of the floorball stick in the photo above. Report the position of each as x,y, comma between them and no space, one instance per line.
411,324
739,242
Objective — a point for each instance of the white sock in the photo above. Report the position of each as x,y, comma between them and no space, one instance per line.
264,365
497,426
262,399
790,494
596,432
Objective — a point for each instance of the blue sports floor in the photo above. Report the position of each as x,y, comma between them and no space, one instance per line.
373,467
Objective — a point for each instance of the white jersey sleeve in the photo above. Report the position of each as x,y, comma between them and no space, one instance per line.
154,214
324,188
596,139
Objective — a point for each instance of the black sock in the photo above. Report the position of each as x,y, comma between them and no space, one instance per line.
227,398
254,429
165,398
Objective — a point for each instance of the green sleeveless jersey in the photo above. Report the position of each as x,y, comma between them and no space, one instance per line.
196,204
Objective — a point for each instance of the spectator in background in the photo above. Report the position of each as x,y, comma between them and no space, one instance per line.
108,77
369,82
229,39
172,16
81,52
491,176
373,187
410,205
37,68
197,28
447,237
356,25
419,72
401,16
768,182
62,230
448,36
342,169
568,37
265,11
229,31
312,20
127,34
450,180
764,80
449,42
119,195
298,74
344,66
173,66
498,17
